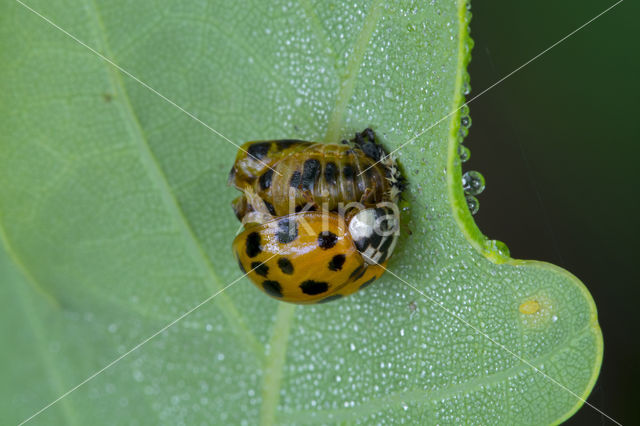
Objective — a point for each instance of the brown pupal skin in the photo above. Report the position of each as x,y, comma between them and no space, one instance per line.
308,172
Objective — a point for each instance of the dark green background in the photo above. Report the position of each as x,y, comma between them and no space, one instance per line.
558,145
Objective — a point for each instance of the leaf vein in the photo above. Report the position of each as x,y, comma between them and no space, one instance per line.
157,175
387,401
348,79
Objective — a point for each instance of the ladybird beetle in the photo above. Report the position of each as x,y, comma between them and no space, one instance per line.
312,257
286,175
299,244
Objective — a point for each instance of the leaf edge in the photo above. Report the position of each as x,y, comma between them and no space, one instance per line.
469,228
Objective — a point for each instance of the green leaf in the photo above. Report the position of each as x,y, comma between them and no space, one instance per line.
115,219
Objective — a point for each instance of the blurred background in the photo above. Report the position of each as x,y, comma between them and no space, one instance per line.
558,145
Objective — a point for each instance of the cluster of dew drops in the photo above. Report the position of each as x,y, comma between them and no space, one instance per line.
472,181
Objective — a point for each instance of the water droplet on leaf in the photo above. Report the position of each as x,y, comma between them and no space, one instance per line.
466,88
464,153
472,203
498,247
473,182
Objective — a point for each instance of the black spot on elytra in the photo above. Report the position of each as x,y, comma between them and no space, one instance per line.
347,172
367,283
358,272
265,179
253,244
327,239
272,288
314,287
330,173
260,268
335,264
330,298
285,265
310,173
259,150
269,207
294,182
287,231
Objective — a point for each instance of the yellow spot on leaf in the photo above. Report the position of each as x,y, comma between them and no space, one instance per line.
529,307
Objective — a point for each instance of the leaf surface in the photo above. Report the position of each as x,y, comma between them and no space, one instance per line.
115,219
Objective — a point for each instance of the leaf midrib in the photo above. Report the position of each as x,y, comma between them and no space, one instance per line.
273,367
274,363
27,303
349,76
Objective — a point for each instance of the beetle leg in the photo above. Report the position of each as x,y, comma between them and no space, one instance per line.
257,209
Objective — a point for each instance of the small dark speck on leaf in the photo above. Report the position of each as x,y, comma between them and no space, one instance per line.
413,308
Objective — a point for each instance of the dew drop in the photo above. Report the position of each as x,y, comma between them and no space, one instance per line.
473,182
472,203
466,88
465,121
498,247
464,153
